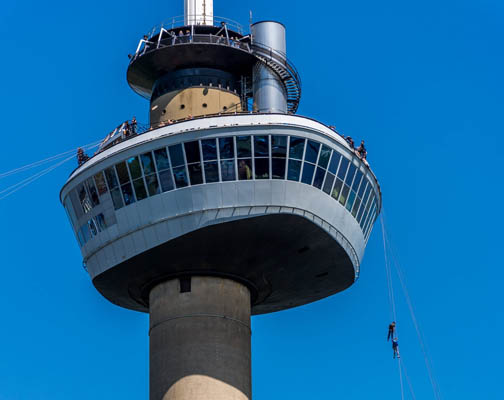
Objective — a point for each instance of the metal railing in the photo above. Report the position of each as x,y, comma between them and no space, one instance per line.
167,39
180,21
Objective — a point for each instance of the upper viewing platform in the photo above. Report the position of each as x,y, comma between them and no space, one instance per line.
175,46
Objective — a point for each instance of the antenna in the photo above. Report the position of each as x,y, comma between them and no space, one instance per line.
198,12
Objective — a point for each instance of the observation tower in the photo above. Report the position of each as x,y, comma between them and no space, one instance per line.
226,205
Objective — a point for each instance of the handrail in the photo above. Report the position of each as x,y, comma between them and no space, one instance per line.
146,46
180,21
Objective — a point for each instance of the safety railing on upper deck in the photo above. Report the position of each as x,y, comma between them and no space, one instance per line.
169,38
181,21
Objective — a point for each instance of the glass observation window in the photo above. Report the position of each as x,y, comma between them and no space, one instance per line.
279,146
325,153
93,193
223,159
335,161
244,146
100,183
308,170
294,170
261,157
296,147
312,150
192,152
179,170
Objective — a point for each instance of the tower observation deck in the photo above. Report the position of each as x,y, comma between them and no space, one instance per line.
228,205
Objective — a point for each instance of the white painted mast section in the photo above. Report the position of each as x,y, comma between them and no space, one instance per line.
198,12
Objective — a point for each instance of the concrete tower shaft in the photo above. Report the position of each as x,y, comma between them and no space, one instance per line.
200,340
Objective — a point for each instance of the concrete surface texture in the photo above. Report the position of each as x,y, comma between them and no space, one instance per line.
200,340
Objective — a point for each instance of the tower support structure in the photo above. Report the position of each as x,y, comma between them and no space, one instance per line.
200,340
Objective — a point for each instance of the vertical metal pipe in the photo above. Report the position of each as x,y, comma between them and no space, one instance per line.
269,92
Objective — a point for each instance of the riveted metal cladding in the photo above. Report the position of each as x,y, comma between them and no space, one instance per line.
275,202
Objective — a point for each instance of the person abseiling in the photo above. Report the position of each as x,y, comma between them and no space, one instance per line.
391,331
395,347
350,142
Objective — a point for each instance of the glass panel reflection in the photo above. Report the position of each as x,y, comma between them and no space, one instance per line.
192,152
279,146
161,159
244,146
116,198
152,184
337,188
328,183
122,173
335,159
312,150
140,191
127,192
226,148
278,168
111,177
180,176
148,163
195,174
228,170
319,178
344,194
294,170
261,146
100,183
209,148
308,170
166,180
261,168
211,172
134,168
325,153
176,155
296,147
343,168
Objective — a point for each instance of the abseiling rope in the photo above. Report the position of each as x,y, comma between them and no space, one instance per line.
46,160
25,182
401,364
388,248
390,288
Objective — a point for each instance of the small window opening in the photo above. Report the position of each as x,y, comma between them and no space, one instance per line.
185,284
224,108
163,112
205,105
182,106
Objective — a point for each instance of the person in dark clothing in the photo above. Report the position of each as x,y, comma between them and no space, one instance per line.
133,126
362,150
81,156
391,331
350,142
395,347
127,129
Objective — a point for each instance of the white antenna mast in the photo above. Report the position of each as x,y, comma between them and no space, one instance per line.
198,12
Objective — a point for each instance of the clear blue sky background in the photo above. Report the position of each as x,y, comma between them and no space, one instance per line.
421,82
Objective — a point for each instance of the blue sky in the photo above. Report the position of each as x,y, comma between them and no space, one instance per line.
421,82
